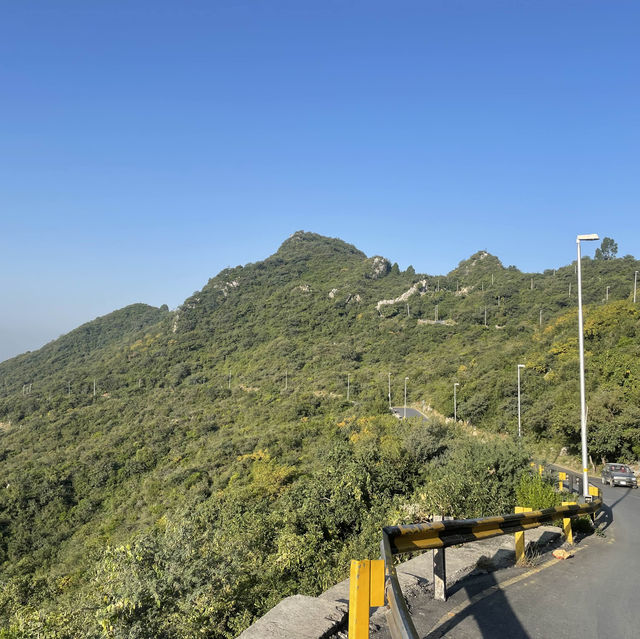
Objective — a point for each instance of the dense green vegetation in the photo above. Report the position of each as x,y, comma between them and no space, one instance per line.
219,465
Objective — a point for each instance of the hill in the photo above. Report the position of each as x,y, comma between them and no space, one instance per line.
220,465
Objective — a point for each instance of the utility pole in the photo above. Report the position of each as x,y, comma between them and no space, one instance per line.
455,403
94,387
519,422
635,285
408,314
491,279
405,397
607,294
569,289
348,386
436,313
540,318
389,390
583,403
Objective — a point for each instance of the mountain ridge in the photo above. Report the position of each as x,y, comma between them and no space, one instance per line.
181,456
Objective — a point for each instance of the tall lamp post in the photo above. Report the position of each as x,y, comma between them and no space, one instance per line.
389,391
455,405
583,404
405,397
519,422
635,286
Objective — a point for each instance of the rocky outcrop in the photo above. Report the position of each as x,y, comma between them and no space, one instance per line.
380,266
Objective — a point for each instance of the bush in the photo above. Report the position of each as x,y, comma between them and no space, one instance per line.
537,493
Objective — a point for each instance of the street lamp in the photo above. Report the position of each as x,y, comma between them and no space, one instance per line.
455,411
405,397
635,286
583,406
607,296
348,386
519,422
389,391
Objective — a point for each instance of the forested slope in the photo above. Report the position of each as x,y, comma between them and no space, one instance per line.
220,467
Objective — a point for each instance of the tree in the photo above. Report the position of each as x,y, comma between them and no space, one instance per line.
608,249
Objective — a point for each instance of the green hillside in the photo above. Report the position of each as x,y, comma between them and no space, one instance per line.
219,466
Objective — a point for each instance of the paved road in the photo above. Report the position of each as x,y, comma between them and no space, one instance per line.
594,594
411,412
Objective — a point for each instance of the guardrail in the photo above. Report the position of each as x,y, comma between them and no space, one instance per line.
439,535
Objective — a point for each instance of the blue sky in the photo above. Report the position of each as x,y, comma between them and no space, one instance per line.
144,146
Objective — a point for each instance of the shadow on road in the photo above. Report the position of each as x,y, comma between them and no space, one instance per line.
605,517
489,608
625,494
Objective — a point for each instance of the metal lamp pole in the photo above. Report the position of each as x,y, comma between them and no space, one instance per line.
583,404
519,421
635,286
389,390
348,386
405,397
455,409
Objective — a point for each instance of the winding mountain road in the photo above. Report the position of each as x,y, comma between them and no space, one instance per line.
594,594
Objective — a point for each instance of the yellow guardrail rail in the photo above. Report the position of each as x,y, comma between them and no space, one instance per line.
443,534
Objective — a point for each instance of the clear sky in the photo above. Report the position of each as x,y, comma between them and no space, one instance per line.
146,145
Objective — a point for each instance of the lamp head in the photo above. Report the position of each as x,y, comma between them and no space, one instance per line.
588,237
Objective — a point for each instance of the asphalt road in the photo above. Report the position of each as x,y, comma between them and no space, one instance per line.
594,594
411,412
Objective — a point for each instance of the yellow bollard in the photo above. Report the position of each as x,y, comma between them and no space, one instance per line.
561,478
359,600
520,538
376,597
566,524
366,589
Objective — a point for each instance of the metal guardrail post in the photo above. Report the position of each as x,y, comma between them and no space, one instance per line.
439,575
439,571
519,538
566,524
